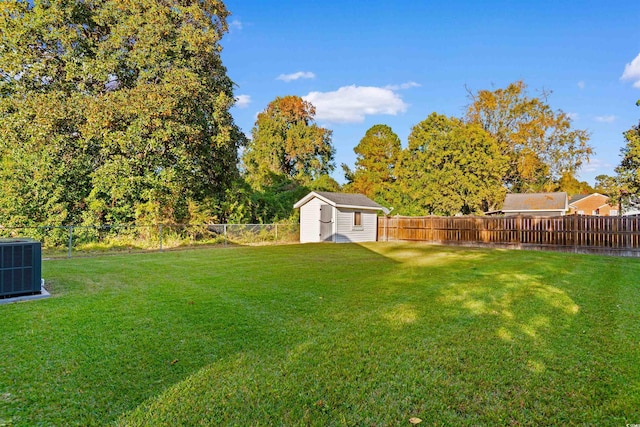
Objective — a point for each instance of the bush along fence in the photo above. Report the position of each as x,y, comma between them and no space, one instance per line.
574,233
81,240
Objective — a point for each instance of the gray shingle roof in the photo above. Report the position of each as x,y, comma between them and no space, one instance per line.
578,197
348,199
535,201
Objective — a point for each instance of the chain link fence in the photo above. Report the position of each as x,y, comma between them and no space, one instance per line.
80,240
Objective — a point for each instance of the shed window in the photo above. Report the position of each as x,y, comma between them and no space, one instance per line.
357,219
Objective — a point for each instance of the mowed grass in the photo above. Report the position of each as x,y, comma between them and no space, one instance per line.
327,335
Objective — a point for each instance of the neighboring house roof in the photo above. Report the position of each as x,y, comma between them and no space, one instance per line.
523,202
342,200
581,197
578,197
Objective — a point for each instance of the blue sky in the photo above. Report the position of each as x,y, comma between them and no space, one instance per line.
395,62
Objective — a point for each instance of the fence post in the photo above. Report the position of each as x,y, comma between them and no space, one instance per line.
70,240
276,233
431,232
386,221
575,232
224,228
160,237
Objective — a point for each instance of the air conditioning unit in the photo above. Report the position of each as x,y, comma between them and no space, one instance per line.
20,267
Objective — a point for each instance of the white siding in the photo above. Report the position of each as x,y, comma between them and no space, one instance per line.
310,221
342,224
346,232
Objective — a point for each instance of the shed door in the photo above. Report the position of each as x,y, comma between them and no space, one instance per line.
326,225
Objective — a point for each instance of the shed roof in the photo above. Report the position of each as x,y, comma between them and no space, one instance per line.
518,202
342,200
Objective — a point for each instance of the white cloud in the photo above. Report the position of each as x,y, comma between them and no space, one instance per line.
581,84
573,116
235,25
243,101
632,72
595,165
605,119
350,104
407,85
296,76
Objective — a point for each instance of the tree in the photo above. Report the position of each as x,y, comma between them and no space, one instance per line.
450,167
288,155
629,168
286,141
570,184
608,185
44,164
539,142
377,155
125,102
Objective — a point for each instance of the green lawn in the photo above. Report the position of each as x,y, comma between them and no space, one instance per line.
327,335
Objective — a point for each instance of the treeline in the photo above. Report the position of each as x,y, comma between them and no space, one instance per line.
507,141
114,111
119,111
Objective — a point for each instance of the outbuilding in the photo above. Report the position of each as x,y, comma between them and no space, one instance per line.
338,217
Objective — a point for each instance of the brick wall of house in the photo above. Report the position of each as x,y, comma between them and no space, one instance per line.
595,204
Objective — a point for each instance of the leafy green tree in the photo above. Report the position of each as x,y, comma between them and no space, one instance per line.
288,156
270,203
377,155
287,141
607,185
540,143
628,170
44,164
124,102
450,167
570,184
275,202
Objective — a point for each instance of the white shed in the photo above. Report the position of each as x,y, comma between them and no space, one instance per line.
338,217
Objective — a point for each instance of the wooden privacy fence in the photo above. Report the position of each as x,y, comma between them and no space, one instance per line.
577,233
